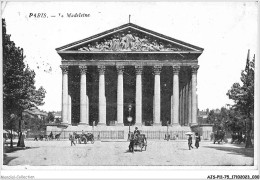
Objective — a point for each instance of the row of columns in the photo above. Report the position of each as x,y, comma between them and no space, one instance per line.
184,102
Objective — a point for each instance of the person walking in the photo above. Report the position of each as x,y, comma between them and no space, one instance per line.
197,140
190,142
72,139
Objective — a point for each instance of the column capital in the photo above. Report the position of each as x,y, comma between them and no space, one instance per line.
120,69
64,69
138,70
101,69
194,69
176,69
157,69
83,69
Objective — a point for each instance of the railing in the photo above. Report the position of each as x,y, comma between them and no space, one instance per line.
98,135
120,135
173,135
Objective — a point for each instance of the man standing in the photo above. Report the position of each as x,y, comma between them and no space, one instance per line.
72,139
190,142
136,132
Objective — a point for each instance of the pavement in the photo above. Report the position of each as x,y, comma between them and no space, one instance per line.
104,153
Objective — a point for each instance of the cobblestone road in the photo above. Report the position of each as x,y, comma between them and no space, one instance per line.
171,153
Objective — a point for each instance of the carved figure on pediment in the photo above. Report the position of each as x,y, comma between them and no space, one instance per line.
86,49
136,44
129,40
97,46
161,46
106,46
155,46
92,48
123,42
115,43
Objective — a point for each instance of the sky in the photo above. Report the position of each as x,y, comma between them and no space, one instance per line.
226,30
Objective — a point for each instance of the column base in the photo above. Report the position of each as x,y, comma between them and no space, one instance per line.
64,124
101,124
193,124
83,124
175,124
157,124
120,124
138,124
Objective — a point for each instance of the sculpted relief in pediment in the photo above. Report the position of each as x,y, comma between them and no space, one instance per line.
128,41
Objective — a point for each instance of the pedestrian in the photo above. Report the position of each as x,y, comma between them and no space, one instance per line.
197,140
72,138
190,142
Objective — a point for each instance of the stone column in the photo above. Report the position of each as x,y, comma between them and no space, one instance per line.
120,96
102,97
189,104
157,95
138,96
186,104
64,118
175,118
83,94
180,108
194,95
69,109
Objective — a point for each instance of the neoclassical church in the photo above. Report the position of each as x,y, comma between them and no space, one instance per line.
129,75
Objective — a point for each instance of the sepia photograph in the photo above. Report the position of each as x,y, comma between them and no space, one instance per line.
165,89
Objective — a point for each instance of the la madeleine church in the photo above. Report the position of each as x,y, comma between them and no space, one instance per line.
129,75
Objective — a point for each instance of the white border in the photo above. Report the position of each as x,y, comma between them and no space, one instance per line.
147,172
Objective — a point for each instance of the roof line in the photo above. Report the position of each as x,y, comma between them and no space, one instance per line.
129,52
126,25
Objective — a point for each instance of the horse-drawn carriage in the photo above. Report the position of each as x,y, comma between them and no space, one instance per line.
137,140
238,137
84,138
219,136
46,137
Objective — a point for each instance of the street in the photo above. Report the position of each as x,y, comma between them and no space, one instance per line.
166,153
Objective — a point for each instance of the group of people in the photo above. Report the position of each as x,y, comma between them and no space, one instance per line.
197,140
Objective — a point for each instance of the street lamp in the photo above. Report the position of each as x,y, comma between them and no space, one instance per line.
129,118
167,130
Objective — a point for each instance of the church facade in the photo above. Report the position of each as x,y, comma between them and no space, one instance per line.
129,74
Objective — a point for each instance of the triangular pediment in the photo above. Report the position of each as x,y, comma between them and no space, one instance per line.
129,38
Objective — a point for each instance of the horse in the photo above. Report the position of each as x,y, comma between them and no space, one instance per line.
57,136
219,136
84,138
88,137
50,136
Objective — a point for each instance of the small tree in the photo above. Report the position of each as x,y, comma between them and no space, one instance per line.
50,117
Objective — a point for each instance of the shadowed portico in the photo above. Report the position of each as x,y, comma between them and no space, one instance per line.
129,64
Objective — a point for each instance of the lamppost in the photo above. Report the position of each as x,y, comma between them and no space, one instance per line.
129,118
167,130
